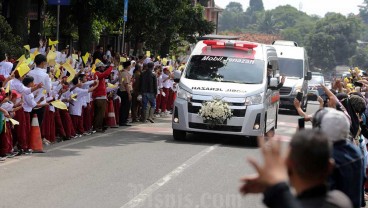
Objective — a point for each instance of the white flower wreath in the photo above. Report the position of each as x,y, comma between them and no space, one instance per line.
215,112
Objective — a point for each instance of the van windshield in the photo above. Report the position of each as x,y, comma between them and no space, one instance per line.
225,69
291,67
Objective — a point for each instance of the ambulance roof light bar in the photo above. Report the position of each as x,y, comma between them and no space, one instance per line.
239,45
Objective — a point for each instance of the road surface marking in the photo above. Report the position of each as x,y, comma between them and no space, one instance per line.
141,197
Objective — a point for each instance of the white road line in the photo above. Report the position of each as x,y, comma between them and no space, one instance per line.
141,197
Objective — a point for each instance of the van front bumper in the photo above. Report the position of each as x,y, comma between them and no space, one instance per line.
243,126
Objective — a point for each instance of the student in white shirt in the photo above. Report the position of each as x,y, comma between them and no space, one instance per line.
76,106
5,66
40,76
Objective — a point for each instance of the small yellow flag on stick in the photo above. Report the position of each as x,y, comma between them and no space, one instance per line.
7,90
85,58
53,43
71,71
23,69
27,47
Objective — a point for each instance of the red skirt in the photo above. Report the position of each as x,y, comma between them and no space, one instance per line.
45,123
67,123
48,126
117,110
59,128
21,131
77,123
6,140
87,118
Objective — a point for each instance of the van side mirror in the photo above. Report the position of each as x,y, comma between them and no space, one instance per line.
309,76
177,75
274,82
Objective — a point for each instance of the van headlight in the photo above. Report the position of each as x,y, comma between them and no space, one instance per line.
183,94
297,88
254,99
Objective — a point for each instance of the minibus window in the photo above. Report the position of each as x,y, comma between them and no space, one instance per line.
291,67
225,69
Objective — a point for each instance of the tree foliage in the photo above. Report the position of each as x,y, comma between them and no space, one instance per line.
9,43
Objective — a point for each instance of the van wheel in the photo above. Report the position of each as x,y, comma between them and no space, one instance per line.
179,135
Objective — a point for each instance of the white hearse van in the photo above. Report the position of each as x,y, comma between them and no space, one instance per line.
294,65
236,72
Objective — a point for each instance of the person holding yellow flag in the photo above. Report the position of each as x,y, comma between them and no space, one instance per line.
40,77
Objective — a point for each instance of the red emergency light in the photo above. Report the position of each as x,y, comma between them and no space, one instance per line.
238,45
245,45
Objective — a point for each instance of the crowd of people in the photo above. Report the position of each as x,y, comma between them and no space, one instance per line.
75,95
326,165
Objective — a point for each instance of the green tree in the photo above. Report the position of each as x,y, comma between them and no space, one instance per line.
267,24
321,50
10,44
232,17
255,6
360,59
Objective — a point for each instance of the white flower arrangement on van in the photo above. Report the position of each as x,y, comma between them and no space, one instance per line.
215,112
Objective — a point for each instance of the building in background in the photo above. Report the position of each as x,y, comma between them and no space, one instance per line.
212,11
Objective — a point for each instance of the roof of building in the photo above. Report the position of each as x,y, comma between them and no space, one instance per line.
255,37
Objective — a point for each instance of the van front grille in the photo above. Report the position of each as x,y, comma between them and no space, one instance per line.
285,90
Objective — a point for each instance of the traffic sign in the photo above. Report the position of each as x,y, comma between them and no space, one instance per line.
59,2
126,10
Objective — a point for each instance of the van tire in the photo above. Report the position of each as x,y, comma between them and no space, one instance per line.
179,135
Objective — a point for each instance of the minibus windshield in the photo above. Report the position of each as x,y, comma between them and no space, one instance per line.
225,69
291,67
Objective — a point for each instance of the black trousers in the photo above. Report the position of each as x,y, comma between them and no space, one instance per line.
39,112
124,107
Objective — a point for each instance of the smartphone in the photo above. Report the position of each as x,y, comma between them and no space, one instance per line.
299,96
301,123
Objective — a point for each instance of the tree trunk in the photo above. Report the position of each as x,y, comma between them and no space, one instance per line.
18,18
36,26
165,46
84,26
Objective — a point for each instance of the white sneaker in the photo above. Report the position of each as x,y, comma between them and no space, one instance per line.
157,115
46,142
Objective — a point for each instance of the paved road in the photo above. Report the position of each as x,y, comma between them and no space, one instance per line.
139,166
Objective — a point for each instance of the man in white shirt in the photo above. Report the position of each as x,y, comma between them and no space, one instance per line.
40,76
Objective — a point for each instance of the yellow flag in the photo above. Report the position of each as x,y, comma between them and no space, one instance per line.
51,56
164,61
123,59
23,69
170,68
159,57
148,53
34,54
75,56
44,92
85,58
120,67
28,61
22,58
53,48
52,43
73,97
7,90
173,58
71,71
14,122
58,104
93,70
27,47
97,61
